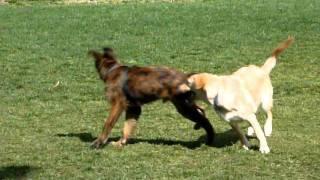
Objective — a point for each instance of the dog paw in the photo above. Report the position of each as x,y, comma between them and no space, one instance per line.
245,147
197,126
264,149
120,143
98,143
117,144
267,134
250,132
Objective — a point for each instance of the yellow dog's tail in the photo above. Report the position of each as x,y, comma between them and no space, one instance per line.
272,60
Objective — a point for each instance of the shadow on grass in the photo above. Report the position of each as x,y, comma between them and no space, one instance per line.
84,137
224,139
15,172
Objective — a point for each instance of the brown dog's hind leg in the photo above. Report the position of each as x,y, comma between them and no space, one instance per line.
132,115
186,107
200,110
116,110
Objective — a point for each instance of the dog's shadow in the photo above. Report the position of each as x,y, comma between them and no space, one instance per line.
15,172
227,138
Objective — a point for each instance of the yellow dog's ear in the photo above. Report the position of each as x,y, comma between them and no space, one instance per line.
190,81
184,88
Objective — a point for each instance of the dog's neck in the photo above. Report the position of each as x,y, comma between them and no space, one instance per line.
113,67
106,68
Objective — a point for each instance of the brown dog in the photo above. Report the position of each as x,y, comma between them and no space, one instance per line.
238,96
128,88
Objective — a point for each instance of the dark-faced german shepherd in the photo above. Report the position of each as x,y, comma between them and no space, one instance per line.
128,88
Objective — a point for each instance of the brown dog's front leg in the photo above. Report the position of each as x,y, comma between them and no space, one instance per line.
114,115
132,115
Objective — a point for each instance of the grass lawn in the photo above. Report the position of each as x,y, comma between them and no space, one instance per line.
46,130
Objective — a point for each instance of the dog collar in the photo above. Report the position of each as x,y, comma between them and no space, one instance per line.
113,68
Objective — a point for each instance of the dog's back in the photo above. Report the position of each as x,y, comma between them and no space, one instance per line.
146,84
257,80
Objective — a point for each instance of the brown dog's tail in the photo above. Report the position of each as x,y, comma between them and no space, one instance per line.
272,60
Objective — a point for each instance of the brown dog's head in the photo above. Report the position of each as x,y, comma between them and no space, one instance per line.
105,62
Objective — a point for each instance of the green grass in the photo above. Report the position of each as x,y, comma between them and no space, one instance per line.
46,132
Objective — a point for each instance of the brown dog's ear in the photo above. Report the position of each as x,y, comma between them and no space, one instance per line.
108,53
97,56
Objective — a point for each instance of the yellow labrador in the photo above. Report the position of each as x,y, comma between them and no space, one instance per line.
238,96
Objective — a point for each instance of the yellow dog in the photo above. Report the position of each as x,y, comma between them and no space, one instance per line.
238,96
